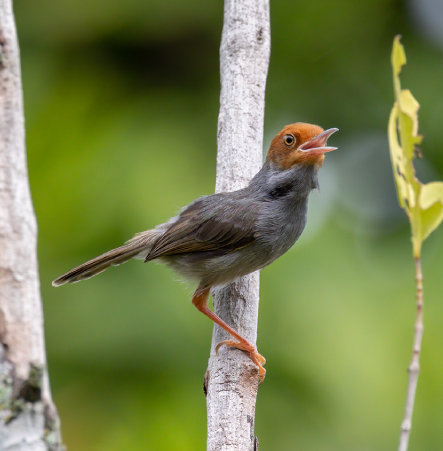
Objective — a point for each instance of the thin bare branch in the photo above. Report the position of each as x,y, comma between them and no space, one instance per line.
414,367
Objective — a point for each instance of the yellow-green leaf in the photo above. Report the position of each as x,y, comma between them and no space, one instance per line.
422,203
398,57
430,194
405,192
431,203
410,107
430,219
398,60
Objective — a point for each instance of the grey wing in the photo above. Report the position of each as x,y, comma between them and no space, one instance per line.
214,223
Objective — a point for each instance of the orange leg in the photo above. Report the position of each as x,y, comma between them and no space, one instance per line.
200,300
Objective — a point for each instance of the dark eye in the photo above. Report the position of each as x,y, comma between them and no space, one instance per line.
289,140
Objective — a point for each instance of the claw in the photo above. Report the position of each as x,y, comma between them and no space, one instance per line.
200,300
258,359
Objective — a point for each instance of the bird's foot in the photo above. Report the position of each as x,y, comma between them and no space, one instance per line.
258,359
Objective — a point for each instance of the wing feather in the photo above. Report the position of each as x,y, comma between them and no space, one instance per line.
213,223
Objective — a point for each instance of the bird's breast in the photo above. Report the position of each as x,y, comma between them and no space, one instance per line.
280,225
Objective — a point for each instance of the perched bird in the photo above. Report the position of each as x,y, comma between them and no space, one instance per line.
221,237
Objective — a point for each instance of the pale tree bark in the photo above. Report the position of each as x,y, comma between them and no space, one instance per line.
28,419
231,381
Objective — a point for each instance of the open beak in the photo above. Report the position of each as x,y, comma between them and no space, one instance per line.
317,145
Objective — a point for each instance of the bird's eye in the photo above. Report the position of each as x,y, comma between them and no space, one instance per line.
289,140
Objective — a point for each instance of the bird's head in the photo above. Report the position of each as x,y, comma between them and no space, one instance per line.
300,144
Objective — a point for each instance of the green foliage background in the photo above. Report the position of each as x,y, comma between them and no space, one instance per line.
121,101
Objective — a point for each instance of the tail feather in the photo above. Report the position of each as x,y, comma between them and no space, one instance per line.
137,246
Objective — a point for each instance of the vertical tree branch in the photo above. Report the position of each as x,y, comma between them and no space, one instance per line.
232,378
414,367
28,419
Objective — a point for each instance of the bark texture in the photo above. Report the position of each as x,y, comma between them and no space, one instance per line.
231,380
28,419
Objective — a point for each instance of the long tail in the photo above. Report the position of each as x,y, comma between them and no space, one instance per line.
137,247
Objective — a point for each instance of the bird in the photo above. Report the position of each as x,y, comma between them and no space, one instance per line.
221,237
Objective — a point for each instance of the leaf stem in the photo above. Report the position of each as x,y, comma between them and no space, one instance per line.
414,367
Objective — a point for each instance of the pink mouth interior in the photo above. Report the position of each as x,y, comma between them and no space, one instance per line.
319,142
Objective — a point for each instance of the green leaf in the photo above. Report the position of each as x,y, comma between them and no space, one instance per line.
422,203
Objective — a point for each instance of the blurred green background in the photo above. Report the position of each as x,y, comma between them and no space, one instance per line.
121,101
